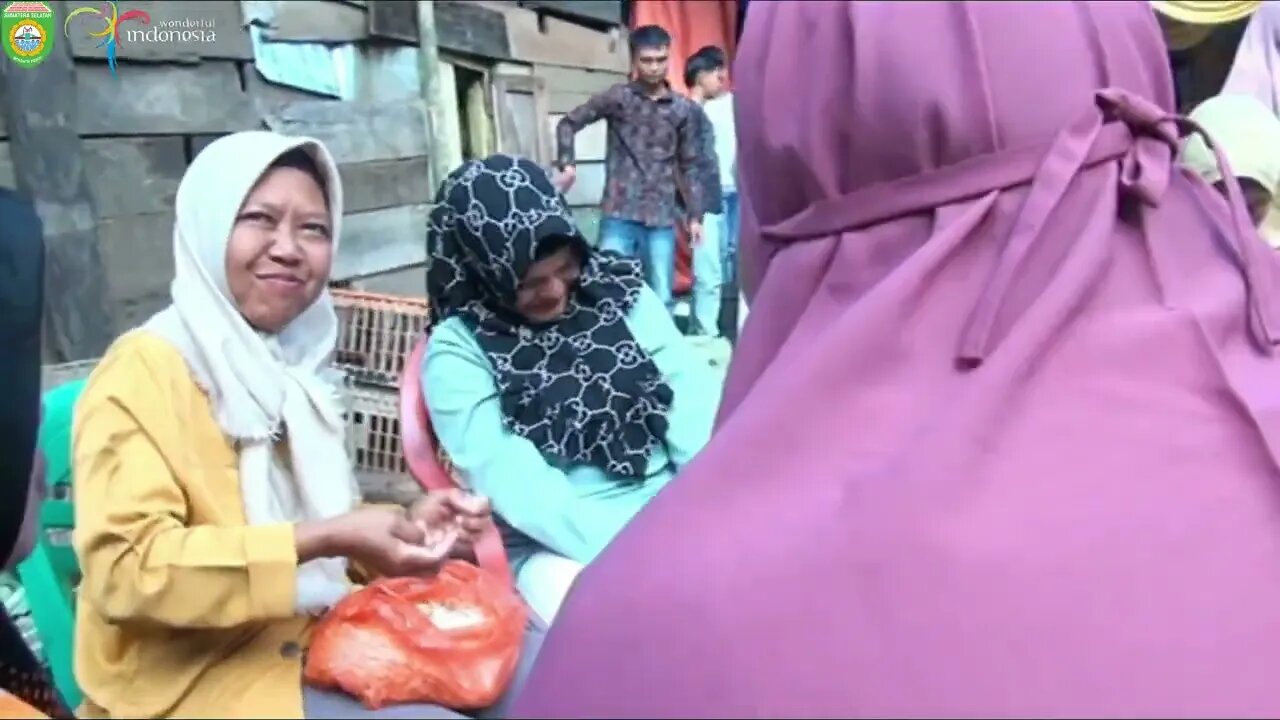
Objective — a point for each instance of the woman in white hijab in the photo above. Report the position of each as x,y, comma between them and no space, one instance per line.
1248,134
216,509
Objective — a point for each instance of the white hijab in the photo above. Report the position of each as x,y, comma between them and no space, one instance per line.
1248,134
262,387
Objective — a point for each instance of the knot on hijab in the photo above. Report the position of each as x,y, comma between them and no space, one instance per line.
1145,167
579,388
1120,126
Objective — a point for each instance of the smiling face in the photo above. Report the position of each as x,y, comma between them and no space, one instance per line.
281,249
545,289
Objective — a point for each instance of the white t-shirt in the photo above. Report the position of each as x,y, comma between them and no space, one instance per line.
720,112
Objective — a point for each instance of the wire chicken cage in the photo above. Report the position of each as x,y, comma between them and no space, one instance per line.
373,431
376,335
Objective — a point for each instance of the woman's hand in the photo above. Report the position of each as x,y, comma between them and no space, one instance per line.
455,511
383,539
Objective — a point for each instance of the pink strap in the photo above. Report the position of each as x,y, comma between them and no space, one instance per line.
492,556
421,453
1120,126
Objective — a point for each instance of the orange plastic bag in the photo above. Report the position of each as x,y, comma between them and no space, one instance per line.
11,706
451,640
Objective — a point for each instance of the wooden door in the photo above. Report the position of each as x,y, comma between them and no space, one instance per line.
520,116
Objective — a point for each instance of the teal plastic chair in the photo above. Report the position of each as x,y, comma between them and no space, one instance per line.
51,574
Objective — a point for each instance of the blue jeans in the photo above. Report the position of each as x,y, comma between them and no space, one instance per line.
729,237
655,247
707,276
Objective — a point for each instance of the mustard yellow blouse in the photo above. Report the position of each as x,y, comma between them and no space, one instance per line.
184,611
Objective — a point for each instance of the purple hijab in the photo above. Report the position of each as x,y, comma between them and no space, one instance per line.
1001,435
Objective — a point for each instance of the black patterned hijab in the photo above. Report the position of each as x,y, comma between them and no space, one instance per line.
580,388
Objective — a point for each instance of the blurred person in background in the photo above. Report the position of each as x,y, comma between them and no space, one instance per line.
719,110
704,76
1248,134
1256,72
1256,68
651,161
1186,24
26,689
1202,38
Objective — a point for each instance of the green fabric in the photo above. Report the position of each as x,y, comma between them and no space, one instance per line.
55,431
50,574
52,603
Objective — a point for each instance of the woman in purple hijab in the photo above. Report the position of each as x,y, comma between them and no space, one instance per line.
1001,435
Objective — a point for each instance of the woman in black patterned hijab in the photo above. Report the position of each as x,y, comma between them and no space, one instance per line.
555,378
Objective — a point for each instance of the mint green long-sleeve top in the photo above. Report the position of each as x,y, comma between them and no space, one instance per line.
570,509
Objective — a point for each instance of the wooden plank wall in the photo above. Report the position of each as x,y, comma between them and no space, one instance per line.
382,154
570,49
566,89
172,98
47,160
594,11
506,31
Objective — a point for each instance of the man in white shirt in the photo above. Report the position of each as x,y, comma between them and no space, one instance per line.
704,75
718,108
719,111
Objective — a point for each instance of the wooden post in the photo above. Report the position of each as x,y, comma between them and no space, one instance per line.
433,91
40,108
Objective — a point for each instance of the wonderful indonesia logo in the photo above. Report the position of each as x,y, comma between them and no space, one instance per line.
112,29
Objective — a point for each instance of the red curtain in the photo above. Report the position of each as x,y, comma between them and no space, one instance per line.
692,25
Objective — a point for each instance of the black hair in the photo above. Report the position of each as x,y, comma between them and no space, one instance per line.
648,37
698,65
715,54
300,159
553,244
